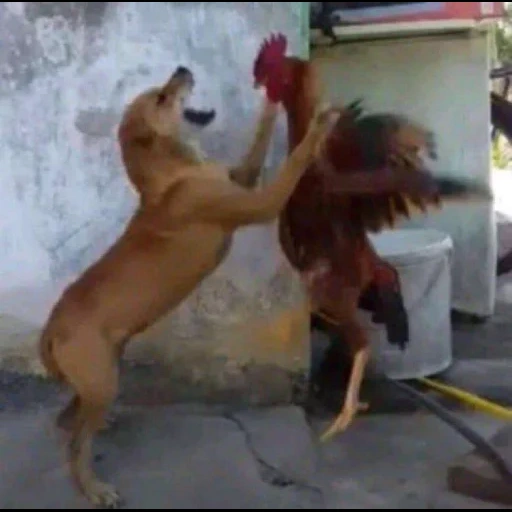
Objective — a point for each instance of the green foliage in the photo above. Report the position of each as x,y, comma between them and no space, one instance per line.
503,37
499,158
503,53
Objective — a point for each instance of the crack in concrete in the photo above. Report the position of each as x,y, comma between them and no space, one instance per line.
269,473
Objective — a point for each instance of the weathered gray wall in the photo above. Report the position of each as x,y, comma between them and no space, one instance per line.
68,69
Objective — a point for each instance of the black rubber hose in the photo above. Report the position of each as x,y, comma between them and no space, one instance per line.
486,449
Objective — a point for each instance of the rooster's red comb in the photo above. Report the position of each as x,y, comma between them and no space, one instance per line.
271,52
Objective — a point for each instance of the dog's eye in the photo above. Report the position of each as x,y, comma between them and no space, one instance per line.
160,98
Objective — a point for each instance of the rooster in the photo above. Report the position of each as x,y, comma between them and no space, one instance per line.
368,174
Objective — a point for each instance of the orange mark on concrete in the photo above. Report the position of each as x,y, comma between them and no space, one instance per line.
282,338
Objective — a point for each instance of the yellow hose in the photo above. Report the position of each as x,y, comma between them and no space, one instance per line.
479,404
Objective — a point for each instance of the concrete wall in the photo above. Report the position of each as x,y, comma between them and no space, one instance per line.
442,82
68,70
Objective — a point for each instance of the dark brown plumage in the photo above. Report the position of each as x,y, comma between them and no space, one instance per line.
369,174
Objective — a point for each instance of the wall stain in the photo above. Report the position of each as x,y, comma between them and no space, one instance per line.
92,14
97,122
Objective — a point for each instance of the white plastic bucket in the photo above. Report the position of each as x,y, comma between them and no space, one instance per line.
422,258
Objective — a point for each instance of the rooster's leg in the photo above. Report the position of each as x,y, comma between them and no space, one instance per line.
354,334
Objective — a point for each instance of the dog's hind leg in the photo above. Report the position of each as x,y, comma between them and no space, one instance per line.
65,419
88,421
89,364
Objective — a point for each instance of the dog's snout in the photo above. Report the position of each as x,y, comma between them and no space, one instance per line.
182,71
182,77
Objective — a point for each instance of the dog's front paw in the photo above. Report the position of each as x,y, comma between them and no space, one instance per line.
103,495
326,116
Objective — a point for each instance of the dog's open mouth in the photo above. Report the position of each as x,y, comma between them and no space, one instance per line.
199,117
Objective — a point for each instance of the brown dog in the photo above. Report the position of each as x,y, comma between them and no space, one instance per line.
188,212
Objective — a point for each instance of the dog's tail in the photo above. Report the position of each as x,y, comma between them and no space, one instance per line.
46,343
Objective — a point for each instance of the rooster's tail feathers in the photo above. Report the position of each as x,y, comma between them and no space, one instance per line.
461,189
386,210
355,108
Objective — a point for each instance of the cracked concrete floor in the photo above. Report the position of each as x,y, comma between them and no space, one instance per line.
201,458
398,462
169,457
